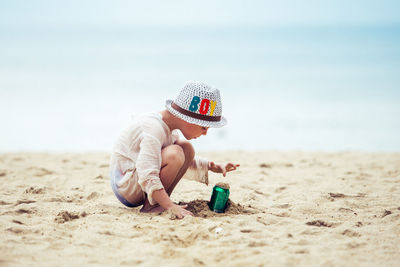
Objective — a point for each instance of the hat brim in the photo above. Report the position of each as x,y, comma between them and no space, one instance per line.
212,124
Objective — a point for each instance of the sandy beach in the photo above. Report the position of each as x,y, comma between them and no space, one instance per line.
287,209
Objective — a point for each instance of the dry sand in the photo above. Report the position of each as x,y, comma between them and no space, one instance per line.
286,208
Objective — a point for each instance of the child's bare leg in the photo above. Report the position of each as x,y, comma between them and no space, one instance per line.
189,153
175,161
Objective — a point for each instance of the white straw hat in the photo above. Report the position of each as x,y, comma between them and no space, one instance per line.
198,103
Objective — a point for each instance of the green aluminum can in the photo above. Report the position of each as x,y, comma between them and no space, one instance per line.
219,199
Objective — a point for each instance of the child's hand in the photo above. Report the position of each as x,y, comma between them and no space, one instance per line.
220,168
179,211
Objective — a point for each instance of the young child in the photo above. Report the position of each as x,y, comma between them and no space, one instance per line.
148,159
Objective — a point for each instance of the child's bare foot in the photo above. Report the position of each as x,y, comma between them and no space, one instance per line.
151,209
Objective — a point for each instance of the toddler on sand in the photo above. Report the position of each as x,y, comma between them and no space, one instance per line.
149,159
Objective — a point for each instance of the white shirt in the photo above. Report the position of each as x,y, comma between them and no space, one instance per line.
137,151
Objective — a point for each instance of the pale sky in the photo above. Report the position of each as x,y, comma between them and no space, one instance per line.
50,13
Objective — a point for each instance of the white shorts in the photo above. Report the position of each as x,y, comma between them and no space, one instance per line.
126,188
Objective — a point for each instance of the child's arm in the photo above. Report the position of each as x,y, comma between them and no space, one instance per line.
198,169
162,198
221,168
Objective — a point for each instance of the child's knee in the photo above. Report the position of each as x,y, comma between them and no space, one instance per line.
188,150
173,154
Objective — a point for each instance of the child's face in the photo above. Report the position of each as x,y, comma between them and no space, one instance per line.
192,131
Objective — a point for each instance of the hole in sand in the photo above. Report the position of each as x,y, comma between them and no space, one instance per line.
200,208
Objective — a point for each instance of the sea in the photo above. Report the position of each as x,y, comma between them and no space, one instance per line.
283,87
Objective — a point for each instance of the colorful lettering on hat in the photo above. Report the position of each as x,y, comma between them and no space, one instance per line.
205,105
213,105
195,104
